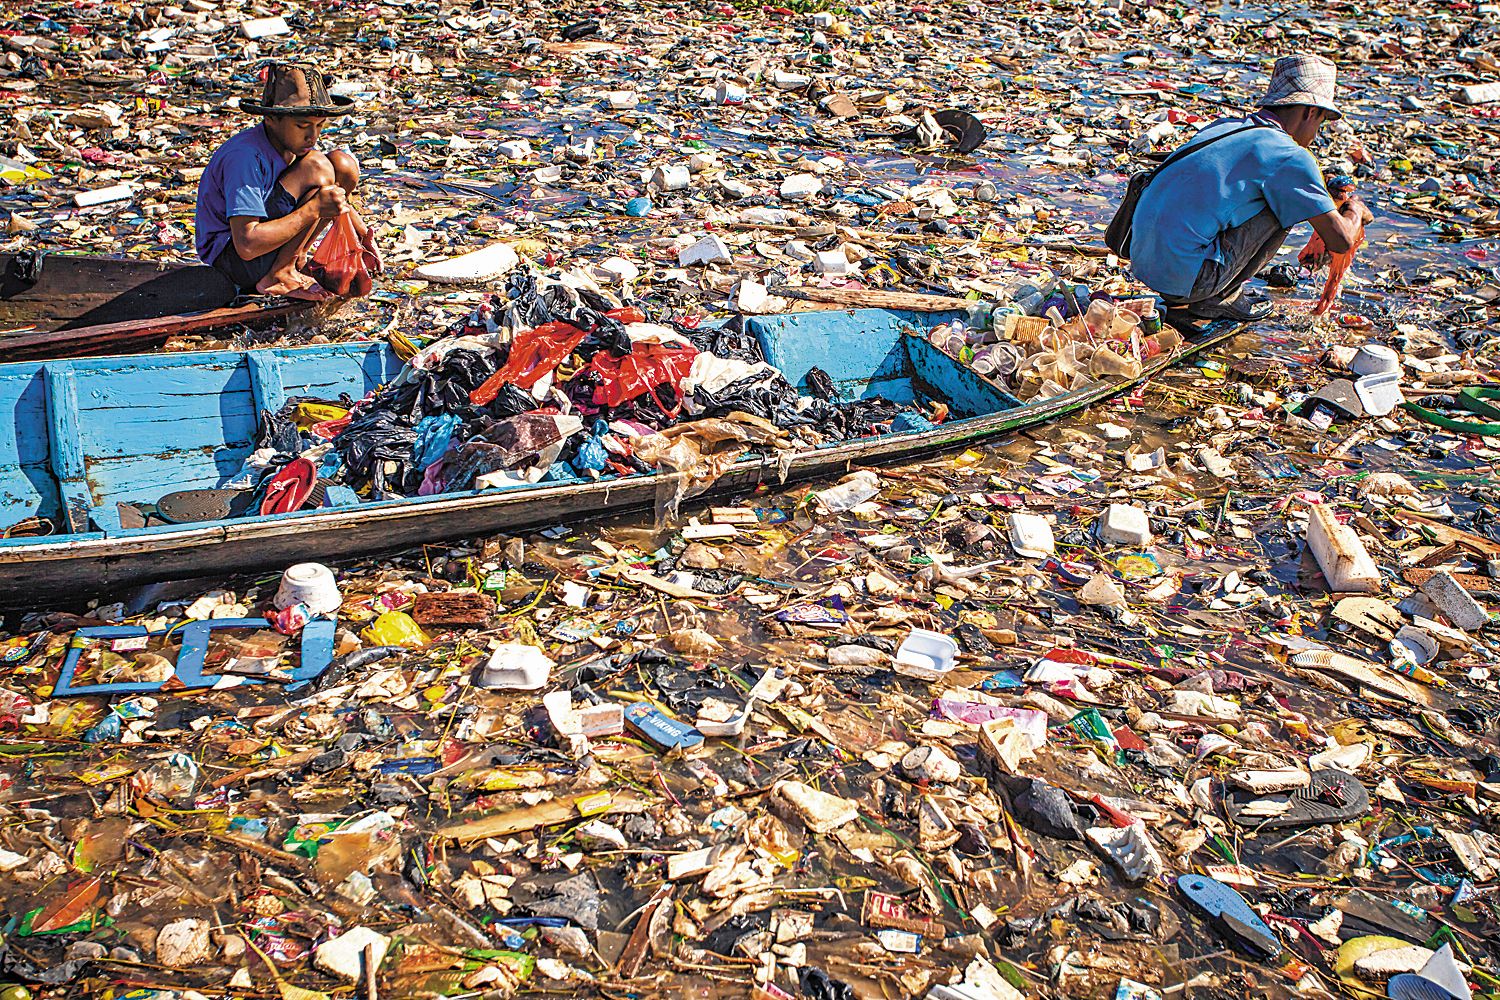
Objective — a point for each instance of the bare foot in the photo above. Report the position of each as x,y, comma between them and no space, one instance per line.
310,293
292,284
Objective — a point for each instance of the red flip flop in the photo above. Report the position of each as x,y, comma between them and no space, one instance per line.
290,488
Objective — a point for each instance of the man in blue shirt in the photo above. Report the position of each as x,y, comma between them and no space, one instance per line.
1208,222
268,192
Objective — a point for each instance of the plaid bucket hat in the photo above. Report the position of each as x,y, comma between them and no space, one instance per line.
1305,79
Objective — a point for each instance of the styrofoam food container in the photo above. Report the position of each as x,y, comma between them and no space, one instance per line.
926,655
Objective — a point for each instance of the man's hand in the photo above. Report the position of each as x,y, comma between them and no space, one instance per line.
331,201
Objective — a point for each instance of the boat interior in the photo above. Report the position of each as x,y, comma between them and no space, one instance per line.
88,435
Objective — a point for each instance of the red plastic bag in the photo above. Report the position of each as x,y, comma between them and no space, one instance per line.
1312,257
533,354
341,264
641,371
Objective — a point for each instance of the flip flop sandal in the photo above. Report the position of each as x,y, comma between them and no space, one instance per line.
290,488
1410,986
195,506
968,131
1339,395
1440,979
1229,912
1333,796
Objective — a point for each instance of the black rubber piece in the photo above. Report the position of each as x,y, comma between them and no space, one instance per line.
195,506
1333,797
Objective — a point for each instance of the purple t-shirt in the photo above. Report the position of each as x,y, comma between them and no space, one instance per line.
238,181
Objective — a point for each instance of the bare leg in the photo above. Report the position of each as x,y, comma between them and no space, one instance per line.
302,182
346,176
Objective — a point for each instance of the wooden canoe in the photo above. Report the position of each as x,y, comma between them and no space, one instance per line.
86,434
79,306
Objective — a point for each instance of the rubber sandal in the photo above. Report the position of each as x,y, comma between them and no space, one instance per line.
1440,979
1333,796
291,488
196,506
1229,912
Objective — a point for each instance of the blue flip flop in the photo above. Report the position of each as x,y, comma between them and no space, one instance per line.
1228,911
1410,986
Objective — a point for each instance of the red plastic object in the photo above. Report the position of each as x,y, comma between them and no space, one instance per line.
533,354
643,370
627,314
289,489
341,264
1338,266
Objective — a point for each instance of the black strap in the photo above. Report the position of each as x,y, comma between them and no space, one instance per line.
1185,150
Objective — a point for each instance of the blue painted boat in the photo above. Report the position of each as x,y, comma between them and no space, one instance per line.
84,435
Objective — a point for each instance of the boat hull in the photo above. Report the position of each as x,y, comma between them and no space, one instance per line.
94,562
79,306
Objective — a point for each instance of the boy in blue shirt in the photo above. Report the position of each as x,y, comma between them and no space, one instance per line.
1209,222
268,192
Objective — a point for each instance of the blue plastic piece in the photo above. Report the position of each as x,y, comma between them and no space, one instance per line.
317,655
433,436
341,496
907,422
592,456
64,687
1231,914
1410,986
637,208
669,734
106,730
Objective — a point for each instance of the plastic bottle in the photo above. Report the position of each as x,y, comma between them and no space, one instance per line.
977,318
1030,295
1079,297
849,492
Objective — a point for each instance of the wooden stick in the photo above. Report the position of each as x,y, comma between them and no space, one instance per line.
370,964
874,298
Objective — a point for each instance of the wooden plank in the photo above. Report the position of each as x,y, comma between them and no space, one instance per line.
874,298
1449,535
69,286
265,381
115,337
66,445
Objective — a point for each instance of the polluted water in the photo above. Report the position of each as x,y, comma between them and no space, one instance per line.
1184,688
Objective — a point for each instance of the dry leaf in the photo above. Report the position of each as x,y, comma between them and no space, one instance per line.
68,908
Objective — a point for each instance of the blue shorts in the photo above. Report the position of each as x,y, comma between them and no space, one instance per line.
246,274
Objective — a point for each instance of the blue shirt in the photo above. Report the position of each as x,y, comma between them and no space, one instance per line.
239,180
1185,207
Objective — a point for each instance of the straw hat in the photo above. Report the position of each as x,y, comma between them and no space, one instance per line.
1305,80
297,90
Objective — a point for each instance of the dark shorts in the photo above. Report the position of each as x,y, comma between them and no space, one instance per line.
247,273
